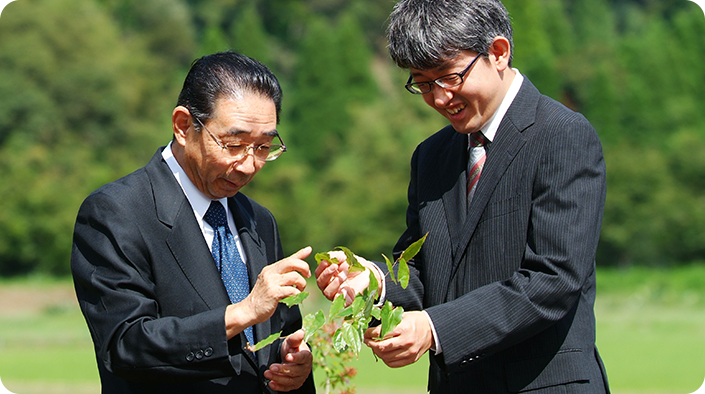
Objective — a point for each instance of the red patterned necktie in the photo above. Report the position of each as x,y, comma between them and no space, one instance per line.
476,161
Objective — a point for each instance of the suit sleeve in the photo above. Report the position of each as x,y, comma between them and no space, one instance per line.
117,294
567,200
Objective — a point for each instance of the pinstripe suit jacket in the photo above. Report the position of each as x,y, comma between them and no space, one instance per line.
509,282
152,295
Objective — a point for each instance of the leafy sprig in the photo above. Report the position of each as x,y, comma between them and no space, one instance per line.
344,328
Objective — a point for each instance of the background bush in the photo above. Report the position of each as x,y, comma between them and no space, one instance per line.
87,88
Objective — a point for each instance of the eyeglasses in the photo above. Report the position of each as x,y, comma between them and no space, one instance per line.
238,151
446,81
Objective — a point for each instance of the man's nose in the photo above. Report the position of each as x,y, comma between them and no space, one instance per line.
247,164
441,96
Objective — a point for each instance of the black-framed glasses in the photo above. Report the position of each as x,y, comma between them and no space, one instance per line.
446,81
264,152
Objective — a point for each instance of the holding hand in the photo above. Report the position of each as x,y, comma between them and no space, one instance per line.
334,279
405,344
276,281
296,364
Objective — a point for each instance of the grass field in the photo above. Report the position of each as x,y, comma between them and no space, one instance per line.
651,334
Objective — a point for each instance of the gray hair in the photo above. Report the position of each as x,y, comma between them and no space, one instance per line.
423,34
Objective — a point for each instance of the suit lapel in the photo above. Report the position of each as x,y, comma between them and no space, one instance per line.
256,261
455,184
190,250
508,142
185,239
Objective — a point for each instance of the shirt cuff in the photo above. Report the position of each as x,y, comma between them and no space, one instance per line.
436,346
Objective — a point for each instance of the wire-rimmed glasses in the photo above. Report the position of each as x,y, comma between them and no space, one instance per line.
264,152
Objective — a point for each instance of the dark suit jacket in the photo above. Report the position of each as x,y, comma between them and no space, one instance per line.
153,298
510,282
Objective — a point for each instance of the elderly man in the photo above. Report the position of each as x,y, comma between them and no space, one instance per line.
176,271
511,194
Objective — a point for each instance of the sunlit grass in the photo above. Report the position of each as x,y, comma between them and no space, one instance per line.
650,333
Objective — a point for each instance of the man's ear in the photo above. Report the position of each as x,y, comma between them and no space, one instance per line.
501,51
181,123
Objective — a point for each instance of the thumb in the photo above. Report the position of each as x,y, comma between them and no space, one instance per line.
294,340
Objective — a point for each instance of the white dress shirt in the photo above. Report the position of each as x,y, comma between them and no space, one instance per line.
200,202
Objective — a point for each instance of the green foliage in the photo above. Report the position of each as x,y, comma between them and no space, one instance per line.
88,87
249,36
74,126
336,339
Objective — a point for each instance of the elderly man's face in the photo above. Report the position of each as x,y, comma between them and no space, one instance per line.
251,120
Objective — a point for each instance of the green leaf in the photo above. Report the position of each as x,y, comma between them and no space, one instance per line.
384,317
376,313
396,318
325,256
374,285
295,299
336,306
413,249
266,342
390,267
322,256
352,336
313,323
403,274
358,305
354,265
369,302
390,317
339,340
346,312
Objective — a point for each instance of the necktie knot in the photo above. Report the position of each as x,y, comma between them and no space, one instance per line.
477,139
215,215
476,161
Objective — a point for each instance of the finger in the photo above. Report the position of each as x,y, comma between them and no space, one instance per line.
337,254
292,279
302,253
293,342
300,357
325,273
290,264
372,332
297,263
332,289
323,266
278,380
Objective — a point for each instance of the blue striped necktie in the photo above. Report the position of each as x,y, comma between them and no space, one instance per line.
232,269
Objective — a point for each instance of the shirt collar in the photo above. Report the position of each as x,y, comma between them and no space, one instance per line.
199,201
489,130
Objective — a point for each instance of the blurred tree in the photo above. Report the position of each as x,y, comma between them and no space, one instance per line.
248,35
87,88
533,53
332,72
70,122
214,40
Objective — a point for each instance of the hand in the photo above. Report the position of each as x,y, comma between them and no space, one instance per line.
405,344
334,279
296,365
276,281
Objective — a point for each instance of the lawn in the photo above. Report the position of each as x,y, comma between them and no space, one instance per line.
651,334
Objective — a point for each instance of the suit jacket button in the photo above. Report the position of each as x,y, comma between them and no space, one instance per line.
199,354
190,356
208,352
